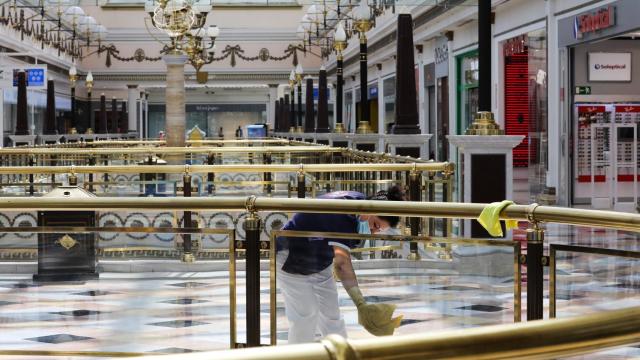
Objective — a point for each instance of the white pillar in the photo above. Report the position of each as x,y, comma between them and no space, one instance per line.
175,100
132,103
271,108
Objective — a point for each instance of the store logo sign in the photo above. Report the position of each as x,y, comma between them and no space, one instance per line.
609,66
441,60
595,21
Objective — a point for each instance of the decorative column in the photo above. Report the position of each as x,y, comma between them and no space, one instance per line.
309,116
73,77
22,124
50,127
132,100
89,84
277,120
406,117
271,114
362,14
114,116
175,116
286,114
299,119
292,109
104,128
339,44
322,125
364,127
123,123
484,123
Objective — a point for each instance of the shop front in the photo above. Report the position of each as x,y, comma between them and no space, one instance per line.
525,108
604,59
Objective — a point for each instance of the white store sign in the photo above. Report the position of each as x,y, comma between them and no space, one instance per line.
609,66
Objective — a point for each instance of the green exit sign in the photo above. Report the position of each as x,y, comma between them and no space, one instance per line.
583,90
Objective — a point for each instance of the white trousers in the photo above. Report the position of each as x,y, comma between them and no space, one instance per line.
311,302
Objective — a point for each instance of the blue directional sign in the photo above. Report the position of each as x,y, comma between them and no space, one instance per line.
35,77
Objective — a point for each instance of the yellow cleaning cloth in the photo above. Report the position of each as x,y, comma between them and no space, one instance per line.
375,318
490,218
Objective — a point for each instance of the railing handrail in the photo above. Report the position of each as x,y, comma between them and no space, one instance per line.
179,169
167,150
531,213
532,340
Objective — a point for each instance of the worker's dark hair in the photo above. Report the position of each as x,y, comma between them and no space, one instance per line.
394,193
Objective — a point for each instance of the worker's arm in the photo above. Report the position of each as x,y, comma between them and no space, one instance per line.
344,268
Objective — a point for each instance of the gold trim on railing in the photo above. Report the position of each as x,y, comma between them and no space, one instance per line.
194,169
570,216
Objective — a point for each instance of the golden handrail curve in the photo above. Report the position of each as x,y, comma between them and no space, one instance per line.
167,150
179,169
581,217
532,340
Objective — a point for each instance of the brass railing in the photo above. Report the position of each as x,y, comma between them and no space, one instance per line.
533,340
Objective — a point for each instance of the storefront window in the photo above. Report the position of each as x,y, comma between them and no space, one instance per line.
525,82
348,110
389,91
36,107
467,90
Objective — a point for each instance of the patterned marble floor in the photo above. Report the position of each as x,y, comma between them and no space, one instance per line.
185,312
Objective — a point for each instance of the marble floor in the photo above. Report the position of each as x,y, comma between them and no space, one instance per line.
165,312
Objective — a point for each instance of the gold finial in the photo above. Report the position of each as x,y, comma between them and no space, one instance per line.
484,124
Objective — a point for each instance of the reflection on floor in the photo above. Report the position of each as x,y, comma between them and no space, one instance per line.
185,312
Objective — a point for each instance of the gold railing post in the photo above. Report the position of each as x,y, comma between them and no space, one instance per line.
31,187
187,254
92,162
211,159
252,229
415,180
535,268
266,159
301,177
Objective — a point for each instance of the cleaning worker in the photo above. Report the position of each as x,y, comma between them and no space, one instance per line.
305,273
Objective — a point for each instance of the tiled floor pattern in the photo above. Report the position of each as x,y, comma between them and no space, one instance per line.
184,312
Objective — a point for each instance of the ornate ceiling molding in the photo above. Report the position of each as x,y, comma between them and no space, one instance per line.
135,78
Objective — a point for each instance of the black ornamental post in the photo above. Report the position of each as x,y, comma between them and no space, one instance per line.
323,103
50,127
309,116
22,124
406,117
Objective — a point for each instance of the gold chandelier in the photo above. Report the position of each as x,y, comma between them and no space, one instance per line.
184,22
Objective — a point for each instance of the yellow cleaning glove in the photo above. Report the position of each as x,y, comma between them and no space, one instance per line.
490,218
375,318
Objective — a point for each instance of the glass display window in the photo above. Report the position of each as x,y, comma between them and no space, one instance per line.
468,77
389,92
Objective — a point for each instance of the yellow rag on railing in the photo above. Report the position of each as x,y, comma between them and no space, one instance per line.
490,218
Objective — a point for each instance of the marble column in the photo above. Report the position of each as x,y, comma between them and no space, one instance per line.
175,101
271,109
133,100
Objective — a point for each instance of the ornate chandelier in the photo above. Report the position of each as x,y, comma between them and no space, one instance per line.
54,23
184,22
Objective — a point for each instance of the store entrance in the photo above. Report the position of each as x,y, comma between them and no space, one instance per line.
607,155
606,114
